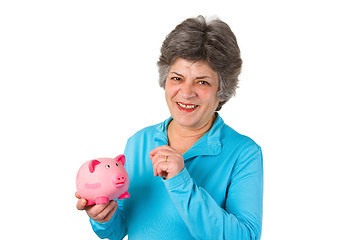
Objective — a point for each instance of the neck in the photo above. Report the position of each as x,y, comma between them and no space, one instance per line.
182,138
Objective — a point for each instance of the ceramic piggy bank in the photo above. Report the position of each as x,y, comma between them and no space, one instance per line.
103,179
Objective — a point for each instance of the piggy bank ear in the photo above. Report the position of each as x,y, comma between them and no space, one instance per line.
92,165
120,158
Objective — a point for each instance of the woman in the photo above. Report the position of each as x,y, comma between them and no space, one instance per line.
210,183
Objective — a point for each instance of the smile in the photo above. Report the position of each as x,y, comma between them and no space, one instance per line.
187,107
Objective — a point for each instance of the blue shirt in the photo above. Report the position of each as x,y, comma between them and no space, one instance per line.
218,195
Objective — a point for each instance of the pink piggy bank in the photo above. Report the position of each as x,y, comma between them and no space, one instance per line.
103,179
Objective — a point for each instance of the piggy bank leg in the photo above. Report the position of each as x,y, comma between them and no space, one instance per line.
101,200
124,195
89,203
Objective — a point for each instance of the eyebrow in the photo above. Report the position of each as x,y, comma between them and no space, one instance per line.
200,77
177,74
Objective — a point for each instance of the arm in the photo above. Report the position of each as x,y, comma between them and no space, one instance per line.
241,217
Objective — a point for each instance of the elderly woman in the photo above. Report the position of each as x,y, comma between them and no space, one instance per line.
191,176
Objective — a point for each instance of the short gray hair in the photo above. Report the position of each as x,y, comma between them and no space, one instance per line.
200,40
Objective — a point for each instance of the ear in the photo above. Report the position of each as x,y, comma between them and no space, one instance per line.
120,158
92,165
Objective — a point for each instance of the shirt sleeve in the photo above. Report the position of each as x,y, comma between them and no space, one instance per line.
241,218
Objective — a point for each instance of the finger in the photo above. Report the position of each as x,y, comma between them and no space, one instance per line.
157,149
94,210
160,155
161,168
154,159
81,204
160,158
111,213
103,211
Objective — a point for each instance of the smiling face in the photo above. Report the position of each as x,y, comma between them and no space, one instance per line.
190,92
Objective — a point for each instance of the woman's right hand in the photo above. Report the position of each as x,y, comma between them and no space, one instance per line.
100,213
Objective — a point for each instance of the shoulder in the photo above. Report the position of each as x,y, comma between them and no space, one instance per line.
244,151
140,141
145,133
150,133
232,137
243,148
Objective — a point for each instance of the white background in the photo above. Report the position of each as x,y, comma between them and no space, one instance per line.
78,78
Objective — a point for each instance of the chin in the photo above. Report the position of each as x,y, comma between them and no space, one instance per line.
186,121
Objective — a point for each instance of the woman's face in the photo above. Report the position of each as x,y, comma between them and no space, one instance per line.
190,92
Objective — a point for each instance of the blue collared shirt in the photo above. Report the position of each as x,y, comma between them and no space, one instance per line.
218,195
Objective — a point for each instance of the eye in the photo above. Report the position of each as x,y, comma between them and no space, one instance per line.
107,166
176,78
117,164
202,82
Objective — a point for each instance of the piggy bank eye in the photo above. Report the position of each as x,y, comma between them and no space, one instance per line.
107,166
117,164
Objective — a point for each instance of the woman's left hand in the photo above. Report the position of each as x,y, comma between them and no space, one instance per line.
167,162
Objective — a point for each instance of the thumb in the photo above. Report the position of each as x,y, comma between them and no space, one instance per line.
81,203
77,195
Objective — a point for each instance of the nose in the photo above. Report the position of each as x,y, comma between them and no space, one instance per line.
187,91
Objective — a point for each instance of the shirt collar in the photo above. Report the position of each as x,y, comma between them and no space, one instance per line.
209,144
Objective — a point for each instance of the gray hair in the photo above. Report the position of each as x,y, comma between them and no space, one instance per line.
200,40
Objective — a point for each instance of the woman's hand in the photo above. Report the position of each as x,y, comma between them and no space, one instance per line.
167,162
100,213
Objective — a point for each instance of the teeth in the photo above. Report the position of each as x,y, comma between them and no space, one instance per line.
187,106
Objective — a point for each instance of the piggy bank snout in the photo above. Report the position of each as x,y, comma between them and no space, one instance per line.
119,180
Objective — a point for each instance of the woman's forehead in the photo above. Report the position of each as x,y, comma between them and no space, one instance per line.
197,68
